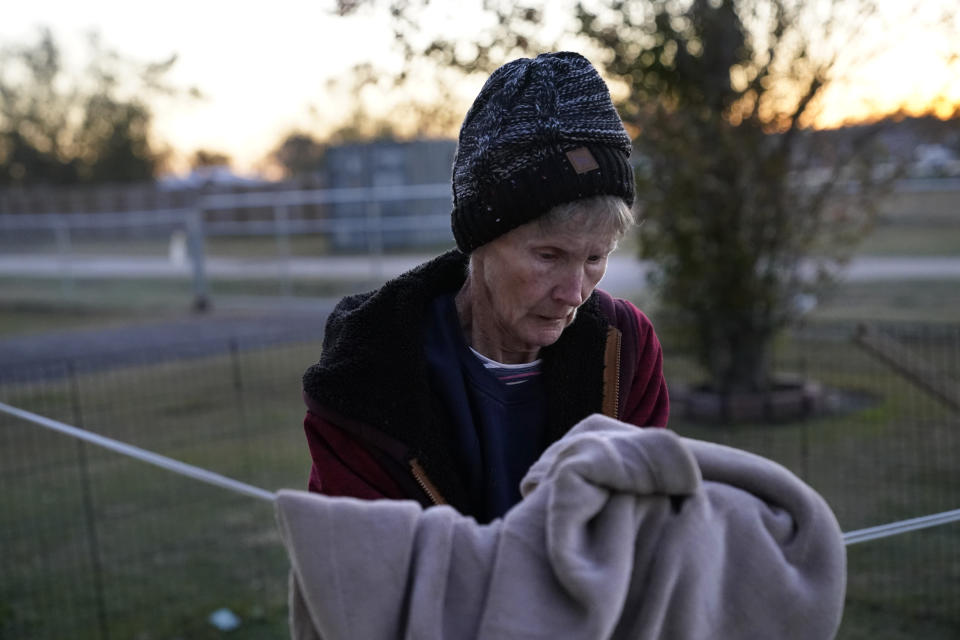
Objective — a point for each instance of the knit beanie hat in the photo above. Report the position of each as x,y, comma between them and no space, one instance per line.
541,132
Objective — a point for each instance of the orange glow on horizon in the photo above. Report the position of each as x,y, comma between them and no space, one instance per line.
255,95
938,107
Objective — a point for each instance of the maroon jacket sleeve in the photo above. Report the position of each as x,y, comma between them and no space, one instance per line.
647,403
344,466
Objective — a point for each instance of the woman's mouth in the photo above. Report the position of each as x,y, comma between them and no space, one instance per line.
563,318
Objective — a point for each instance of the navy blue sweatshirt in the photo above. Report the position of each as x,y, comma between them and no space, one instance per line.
499,417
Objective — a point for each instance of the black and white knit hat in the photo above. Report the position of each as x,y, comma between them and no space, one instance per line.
542,132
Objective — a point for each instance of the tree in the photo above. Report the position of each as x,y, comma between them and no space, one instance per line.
735,221
32,114
61,129
741,203
298,153
208,158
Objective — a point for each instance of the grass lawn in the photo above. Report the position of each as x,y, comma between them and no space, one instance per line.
897,301
36,305
253,246
102,540
939,238
91,539
22,319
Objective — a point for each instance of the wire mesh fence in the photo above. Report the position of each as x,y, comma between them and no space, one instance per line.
99,546
95,545
882,448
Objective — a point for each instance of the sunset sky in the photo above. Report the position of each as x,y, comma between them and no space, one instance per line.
263,67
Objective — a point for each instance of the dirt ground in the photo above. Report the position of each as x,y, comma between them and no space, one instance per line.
43,355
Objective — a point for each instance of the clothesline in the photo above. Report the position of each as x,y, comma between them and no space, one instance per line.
215,479
182,468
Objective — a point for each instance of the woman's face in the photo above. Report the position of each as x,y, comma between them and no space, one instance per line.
530,281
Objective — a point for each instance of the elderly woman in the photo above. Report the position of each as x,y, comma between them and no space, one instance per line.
449,381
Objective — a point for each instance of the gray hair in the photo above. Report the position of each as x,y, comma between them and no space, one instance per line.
602,213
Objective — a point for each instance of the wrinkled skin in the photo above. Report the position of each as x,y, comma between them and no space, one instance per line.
525,286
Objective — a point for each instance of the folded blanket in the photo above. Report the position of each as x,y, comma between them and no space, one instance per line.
622,533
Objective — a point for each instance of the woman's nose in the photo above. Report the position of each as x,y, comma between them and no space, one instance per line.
569,289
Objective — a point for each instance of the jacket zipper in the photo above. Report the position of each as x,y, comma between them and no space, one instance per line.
616,386
421,477
610,405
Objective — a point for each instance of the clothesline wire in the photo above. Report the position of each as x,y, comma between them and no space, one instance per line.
212,478
182,468
901,526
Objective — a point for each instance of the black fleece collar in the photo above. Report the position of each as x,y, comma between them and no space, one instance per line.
373,371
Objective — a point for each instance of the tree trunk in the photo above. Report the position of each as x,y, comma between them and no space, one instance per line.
736,357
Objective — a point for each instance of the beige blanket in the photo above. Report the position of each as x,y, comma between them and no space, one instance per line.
622,533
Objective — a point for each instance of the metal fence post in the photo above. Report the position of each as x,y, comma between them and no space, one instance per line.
198,260
258,568
90,515
805,429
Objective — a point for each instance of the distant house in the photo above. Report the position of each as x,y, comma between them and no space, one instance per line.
934,160
211,177
391,164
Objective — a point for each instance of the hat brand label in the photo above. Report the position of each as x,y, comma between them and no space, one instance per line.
582,160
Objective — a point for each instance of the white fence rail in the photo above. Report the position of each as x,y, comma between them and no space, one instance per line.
366,221
365,227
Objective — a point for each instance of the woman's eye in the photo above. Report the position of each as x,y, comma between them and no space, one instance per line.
546,255
594,259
